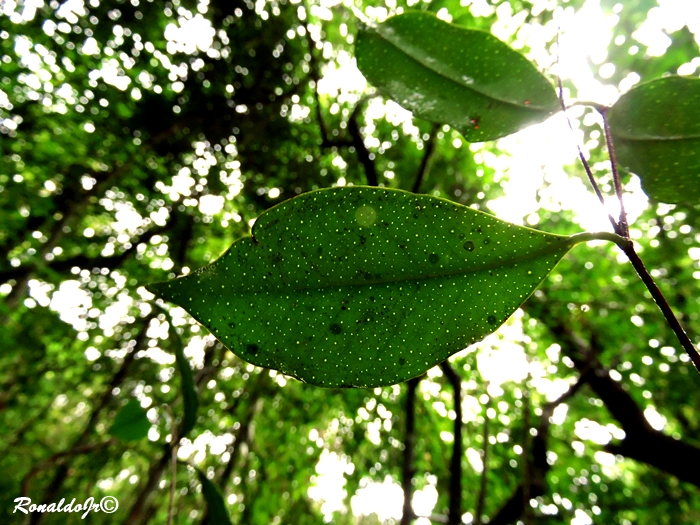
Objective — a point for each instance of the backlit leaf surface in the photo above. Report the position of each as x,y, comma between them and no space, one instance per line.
656,133
452,75
363,286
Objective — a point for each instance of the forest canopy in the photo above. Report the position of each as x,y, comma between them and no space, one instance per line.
140,139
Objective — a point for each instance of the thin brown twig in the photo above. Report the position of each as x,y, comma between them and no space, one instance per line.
663,305
581,156
628,248
624,227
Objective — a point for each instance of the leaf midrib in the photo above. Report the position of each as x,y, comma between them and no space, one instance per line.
452,80
512,261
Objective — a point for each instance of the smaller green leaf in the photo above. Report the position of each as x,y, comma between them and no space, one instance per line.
656,133
216,507
131,422
453,75
189,393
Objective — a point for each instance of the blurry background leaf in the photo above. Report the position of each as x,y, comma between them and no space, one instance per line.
363,286
189,393
217,513
452,75
656,133
131,422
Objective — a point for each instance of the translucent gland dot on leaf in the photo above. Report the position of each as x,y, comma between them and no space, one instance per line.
365,216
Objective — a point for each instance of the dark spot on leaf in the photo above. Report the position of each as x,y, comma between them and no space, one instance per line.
402,361
469,246
232,324
434,258
336,328
492,319
251,349
487,240
363,239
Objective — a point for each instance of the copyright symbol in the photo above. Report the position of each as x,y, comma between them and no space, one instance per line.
109,504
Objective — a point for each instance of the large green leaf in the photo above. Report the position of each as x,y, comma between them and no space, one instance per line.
364,286
131,422
452,75
656,133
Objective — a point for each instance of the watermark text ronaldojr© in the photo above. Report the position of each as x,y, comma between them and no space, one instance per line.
108,505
